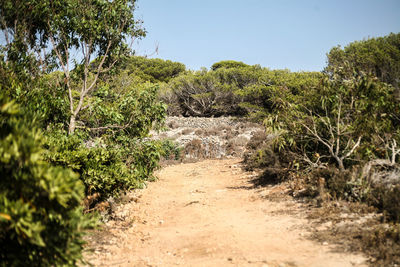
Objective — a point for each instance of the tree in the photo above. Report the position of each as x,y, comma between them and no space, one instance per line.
379,57
23,25
152,69
227,64
202,94
95,30
340,121
197,93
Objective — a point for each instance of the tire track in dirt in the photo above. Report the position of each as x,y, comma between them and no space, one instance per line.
208,214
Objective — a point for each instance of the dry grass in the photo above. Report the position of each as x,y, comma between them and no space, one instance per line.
195,149
173,125
187,131
256,142
199,132
239,141
212,132
357,227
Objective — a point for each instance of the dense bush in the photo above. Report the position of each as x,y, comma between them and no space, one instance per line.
227,64
340,133
377,56
200,94
123,108
233,88
46,98
101,168
264,95
41,221
152,70
106,149
106,166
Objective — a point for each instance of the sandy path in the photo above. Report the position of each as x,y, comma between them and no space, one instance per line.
204,214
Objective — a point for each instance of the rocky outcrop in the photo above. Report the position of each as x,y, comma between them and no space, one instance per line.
209,137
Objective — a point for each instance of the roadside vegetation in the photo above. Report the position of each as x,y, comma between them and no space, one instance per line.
332,136
72,127
75,129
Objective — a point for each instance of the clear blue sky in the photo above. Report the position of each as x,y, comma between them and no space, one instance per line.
277,34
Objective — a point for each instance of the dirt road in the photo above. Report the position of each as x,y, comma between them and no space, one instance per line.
208,214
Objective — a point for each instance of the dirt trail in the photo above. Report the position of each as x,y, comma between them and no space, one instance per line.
208,214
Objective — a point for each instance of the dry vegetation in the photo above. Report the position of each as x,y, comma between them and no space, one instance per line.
202,138
352,225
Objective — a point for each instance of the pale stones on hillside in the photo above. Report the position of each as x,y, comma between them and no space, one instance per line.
209,137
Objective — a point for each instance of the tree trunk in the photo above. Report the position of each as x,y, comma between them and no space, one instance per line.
72,124
341,165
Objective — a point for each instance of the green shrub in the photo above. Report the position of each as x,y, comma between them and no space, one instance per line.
106,166
47,99
152,70
233,88
327,127
145,156
171,150
101,167
378,56
228,64
41,220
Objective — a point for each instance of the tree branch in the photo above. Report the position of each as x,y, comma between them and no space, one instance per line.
64,67
394,151
354,148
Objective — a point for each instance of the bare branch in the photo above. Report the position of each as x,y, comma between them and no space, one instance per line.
109,67
336,134
395,151
59,56
338,128
312,164
65,69
354,148
315,134
99,68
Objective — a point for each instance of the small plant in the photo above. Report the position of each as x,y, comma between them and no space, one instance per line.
187,131
199,132
171,150
195,149
173,124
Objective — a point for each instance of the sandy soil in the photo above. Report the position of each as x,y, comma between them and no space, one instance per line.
209,214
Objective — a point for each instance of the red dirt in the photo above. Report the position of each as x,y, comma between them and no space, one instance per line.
208,214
